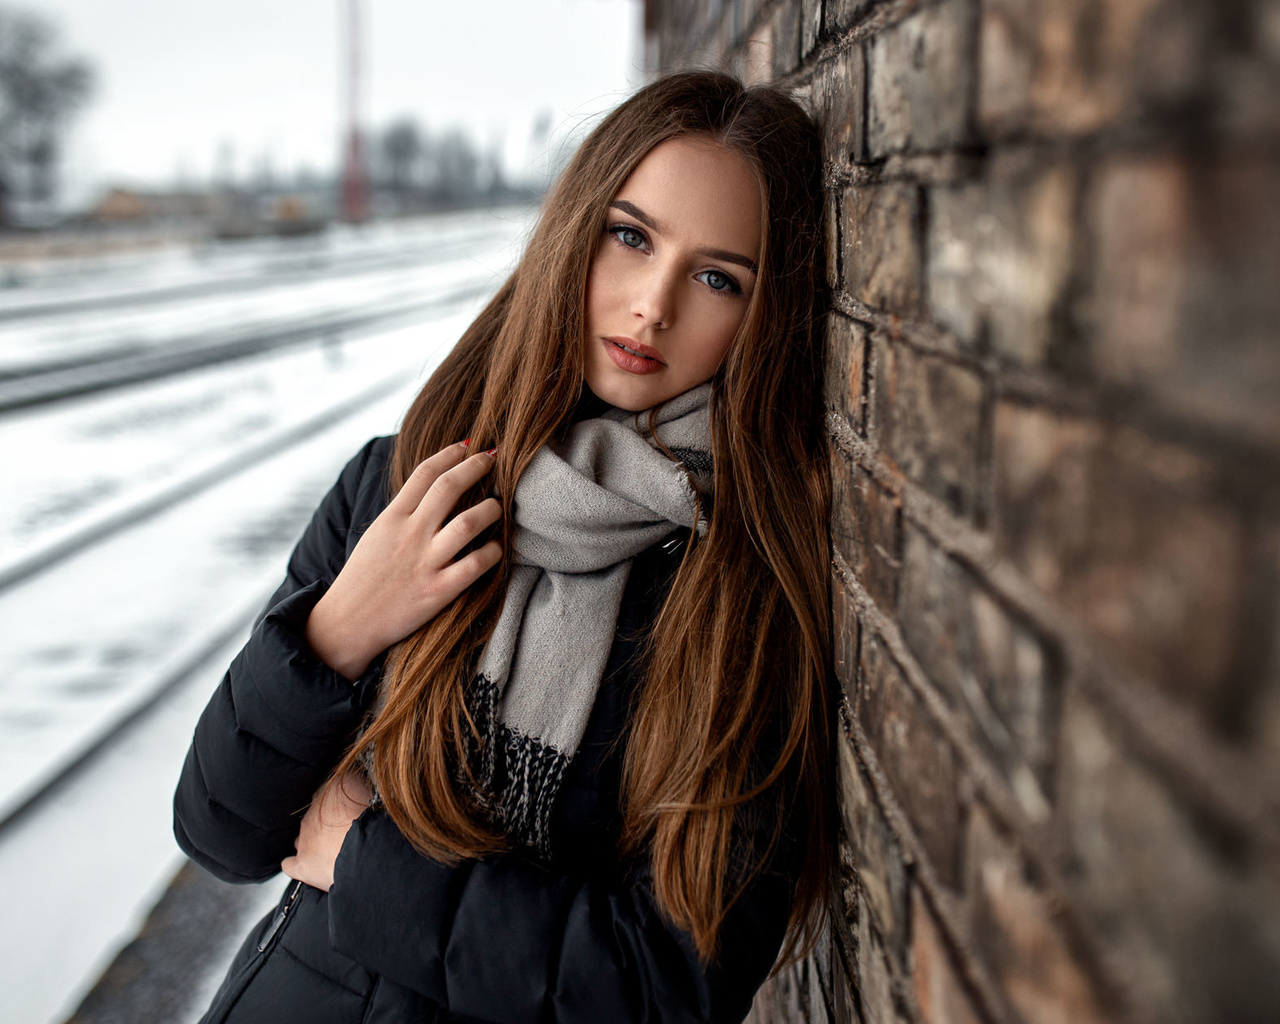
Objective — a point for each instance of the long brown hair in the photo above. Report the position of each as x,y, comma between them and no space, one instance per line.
742,642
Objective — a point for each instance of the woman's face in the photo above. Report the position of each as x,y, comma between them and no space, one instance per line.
673,273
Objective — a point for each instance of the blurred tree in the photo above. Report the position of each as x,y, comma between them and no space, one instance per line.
402,145
39,91
425,170
457,168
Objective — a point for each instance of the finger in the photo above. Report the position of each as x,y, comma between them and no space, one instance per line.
424,475
463,528
455,578
449,486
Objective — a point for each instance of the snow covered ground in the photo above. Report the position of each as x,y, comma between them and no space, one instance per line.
124,276
232,459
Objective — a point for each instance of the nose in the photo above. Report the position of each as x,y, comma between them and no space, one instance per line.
654,301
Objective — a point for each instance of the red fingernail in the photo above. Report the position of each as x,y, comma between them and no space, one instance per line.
492,451
466,443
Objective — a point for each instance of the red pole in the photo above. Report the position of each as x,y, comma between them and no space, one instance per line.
355,185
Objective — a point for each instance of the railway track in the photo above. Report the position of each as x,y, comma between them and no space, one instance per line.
94,372
273,271
134,514
93,761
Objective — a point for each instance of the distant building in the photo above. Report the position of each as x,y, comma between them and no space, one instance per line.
126,206
227,214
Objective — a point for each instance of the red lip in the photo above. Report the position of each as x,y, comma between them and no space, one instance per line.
635,346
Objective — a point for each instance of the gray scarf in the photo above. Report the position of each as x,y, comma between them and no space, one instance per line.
582,511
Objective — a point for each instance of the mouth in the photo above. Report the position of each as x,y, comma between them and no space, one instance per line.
636,349
632,357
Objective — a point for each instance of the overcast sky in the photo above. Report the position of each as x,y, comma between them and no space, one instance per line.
177,81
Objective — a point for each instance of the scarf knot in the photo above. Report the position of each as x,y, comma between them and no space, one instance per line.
582,511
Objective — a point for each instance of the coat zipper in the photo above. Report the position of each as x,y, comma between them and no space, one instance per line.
275,925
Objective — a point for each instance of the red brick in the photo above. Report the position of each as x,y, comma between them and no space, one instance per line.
919,75
874,856
1131,536
989,667
939,993
846,368
1187,913
927,415
1185,293
999,257
915,756
881,259
1013,930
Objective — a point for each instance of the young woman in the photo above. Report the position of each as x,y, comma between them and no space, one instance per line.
559,690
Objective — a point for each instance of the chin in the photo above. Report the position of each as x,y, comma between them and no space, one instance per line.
630,398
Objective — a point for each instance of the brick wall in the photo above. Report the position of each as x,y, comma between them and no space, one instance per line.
1054,410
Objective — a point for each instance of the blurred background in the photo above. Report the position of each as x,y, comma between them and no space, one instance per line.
234,239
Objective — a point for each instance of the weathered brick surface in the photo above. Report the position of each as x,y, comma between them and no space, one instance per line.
1264,721
875,976
881,259
990,668
1074,66
919,762
867,531
810,26
1000,258
1126,532
919,87
1181,907
838,104
838,15
1012,923
1053,364
940,995
786,38
1185,254
876,857
845,619
836,982
927,416
831,227
846,368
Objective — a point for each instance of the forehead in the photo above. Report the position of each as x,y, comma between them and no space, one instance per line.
699,192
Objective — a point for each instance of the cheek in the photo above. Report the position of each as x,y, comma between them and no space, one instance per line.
602,281
719,330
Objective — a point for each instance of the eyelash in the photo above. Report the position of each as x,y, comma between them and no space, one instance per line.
731,288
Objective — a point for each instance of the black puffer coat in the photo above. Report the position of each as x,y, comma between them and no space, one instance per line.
401,937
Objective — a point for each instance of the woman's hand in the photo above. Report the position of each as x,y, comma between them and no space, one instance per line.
324,827
402,572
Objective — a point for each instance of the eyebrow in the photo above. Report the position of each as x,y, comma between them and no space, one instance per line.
716,254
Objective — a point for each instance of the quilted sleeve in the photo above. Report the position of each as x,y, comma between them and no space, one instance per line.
280,717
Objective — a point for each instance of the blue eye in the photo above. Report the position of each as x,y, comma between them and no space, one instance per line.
631,237
719,281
